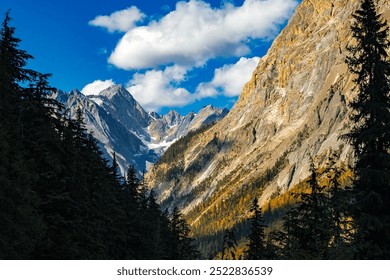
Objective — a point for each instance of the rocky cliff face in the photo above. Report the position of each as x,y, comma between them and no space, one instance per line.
120,124
292,110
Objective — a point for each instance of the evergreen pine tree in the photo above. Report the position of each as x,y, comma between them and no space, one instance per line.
157,244
183,248
12,65
281,244
256,244
309,221
340,227
229,245
132,182
115,169
370,135
21,224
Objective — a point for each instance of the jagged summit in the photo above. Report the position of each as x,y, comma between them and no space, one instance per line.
76,92
114,90
173,125
173,118
121,125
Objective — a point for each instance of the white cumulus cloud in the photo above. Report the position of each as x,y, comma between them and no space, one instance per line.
195,32
96,87
122,20
155,89
229,79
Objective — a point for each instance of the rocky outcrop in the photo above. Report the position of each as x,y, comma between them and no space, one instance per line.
292,110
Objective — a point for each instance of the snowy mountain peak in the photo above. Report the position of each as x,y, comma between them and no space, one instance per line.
114,90
173,118
120,124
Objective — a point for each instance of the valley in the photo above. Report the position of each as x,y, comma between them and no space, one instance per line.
298,168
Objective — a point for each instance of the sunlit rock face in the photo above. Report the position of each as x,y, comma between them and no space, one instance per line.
293,109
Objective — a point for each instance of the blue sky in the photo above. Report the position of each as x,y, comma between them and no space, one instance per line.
169,54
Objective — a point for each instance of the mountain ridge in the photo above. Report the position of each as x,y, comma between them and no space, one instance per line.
120,124
292,110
